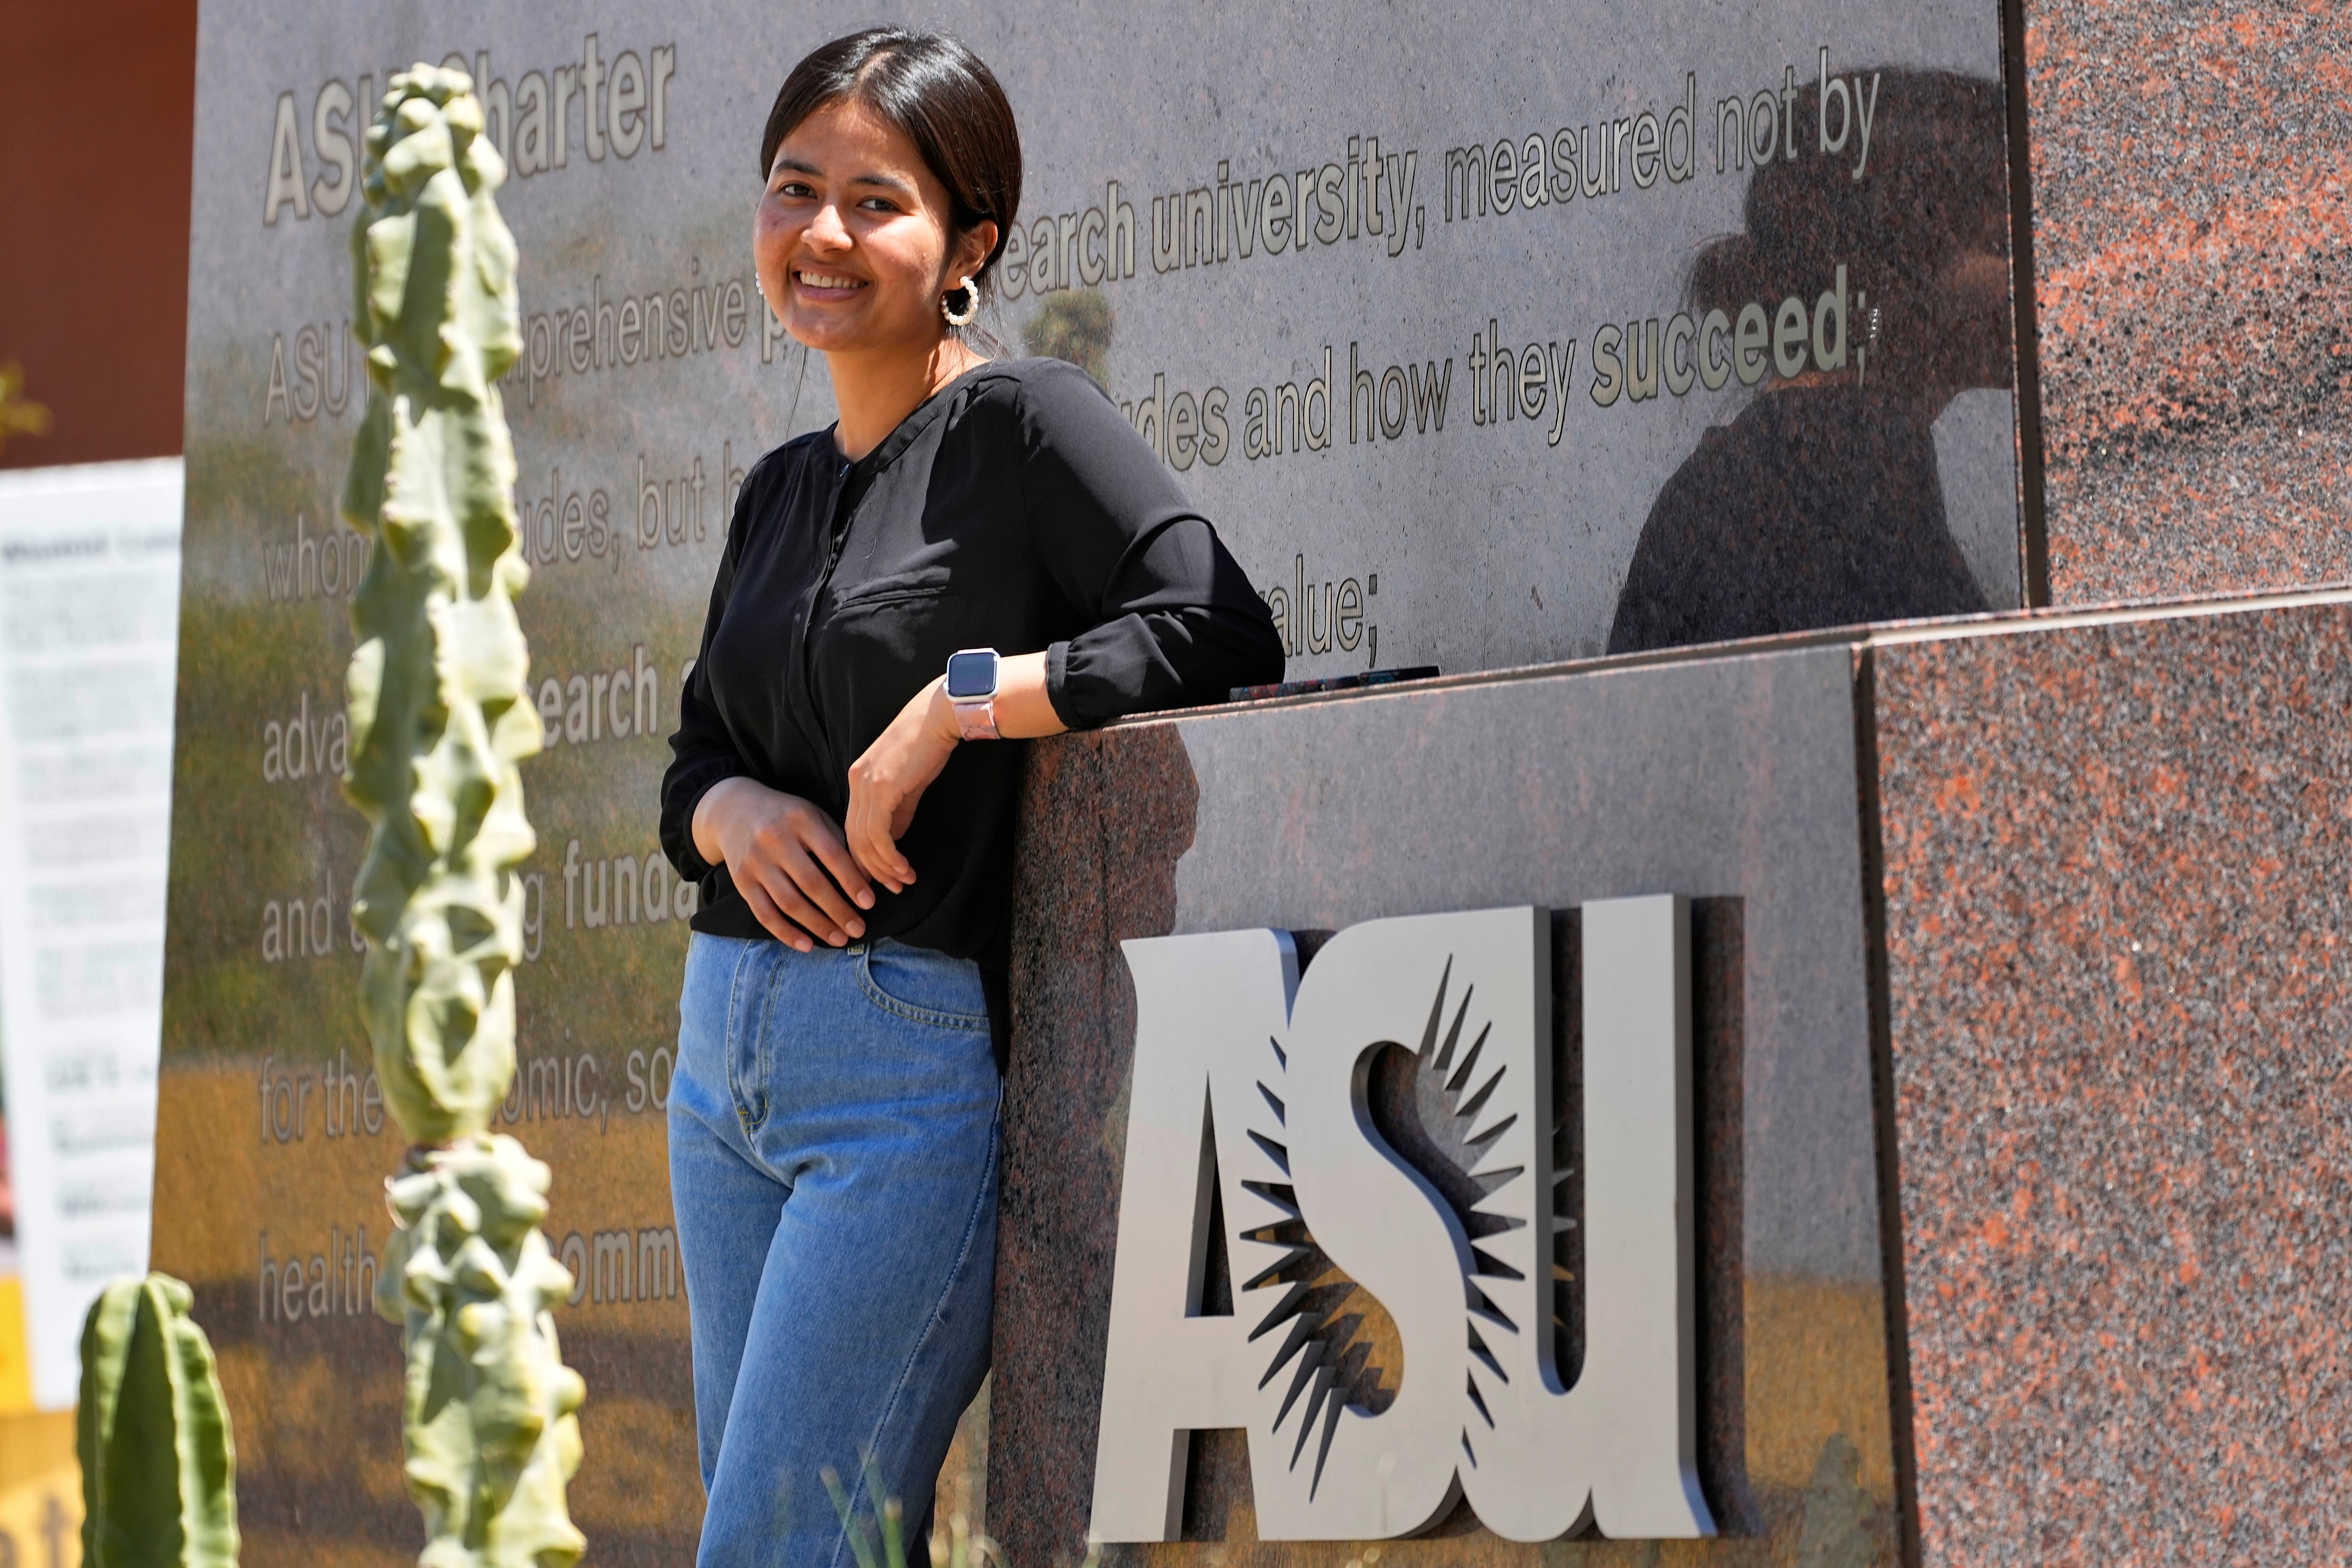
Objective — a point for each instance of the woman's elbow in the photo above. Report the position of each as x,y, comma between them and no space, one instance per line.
1253,654
1264,656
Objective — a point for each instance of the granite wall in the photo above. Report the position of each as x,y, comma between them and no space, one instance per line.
2093,921
2187,200
1326,387
2115,885
2194,250
1733,781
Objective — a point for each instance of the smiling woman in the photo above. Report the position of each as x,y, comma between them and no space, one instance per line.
845,781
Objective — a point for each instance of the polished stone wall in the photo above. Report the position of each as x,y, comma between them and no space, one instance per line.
2190,248
1732,780
1288,239
2082,972
2114,883
1932,855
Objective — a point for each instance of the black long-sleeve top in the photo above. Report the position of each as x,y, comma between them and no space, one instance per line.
1817,507
1016,509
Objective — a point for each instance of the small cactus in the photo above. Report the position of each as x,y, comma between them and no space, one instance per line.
158,1466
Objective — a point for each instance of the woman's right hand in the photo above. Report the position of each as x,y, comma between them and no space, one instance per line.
787,859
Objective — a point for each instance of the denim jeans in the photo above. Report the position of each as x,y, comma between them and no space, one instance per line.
833,1148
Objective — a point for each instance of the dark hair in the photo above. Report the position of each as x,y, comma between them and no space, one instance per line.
1938,170
940,95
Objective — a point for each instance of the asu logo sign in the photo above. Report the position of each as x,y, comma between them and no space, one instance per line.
1250,1079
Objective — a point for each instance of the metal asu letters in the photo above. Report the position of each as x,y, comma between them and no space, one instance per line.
440,715
1253,1078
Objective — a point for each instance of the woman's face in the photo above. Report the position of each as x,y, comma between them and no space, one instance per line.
1950,329
1976,341
852,237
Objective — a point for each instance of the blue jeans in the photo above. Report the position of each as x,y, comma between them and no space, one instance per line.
833,1148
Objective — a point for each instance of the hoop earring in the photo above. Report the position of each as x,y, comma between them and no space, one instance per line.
971,303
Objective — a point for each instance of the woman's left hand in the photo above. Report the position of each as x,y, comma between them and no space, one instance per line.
888,783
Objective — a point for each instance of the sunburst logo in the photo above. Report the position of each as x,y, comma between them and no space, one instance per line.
1438,1108
1381,1139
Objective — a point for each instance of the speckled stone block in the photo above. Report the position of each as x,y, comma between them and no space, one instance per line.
2193,249
1732,780
2117,878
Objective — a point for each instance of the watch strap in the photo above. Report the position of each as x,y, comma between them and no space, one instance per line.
977,720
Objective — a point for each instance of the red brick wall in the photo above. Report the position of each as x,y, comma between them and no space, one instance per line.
96,118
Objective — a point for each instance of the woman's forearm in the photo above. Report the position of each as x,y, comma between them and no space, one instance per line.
1024,712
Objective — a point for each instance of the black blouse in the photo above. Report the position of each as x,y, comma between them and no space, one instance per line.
1817,507
1016,509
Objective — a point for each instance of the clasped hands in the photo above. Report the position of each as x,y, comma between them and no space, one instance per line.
808,879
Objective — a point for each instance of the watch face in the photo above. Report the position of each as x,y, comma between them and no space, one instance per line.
972,675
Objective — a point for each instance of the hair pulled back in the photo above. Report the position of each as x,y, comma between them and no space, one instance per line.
940,95
1938,171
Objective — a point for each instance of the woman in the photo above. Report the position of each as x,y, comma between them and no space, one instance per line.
1822,504
832,1127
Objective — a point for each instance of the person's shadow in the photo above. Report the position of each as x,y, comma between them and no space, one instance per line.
1861,307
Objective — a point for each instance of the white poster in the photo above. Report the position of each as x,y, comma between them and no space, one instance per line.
90,583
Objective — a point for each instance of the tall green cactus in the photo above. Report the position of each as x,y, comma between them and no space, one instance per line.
439,717
158,1469
490,1430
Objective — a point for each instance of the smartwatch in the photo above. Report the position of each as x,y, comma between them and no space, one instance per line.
971,687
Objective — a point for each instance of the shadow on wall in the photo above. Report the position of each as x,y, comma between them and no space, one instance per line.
1870,289
1065,1106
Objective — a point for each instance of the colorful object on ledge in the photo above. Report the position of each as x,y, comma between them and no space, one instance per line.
1332,683
439,717
158,1465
